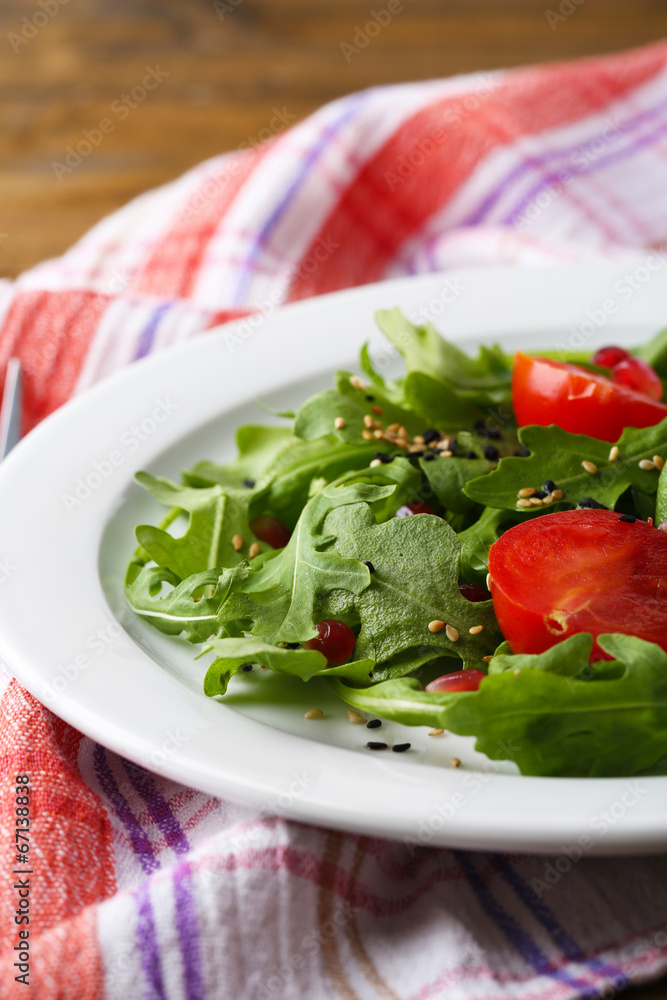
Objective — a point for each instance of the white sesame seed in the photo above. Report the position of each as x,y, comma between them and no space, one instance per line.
527,491
547,500
476,629
436,625
659,462
436,732
368,420
378,410
375,463
557,494
237,542
367,436
254,550
455,761
590,467
446,454
535,502
487,659
339,423
488,581
646,464
313,713
452,633
356,718
613,454
357,383
524,503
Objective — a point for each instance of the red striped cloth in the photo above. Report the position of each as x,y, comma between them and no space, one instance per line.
149,889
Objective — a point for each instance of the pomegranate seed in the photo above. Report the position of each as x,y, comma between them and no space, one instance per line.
608,357
269,530
414,507
335,639
463,680
638,375
473,592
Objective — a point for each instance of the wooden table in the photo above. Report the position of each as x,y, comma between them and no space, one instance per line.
230,66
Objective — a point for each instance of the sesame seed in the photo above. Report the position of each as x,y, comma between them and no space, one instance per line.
627,518
547,500
491,452
527,491
250,483
339,423
452,633
431,435
488,581
541,494
516,672
402,433
557,494
415,451
646,464
549,486
436,625
591,504
367,436
590,467
393,428
370,399
418,439
382,456
471,454
368,420
313,713
476,629
487,659
447,453
357,383
437,732
430,457
402,443
375,463
237,542
613,454
292,645
246,668
535,502
356,718
378,434
659,462
377,410
371,567
455,761
374,724
254,550
401,747
376,746
524,503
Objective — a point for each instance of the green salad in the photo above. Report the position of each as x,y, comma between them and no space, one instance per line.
352,543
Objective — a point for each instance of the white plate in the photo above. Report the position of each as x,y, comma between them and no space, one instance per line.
69,505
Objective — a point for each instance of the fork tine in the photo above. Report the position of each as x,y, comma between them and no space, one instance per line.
10,414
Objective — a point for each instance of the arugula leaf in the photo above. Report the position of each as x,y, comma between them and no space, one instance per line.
285,593
403,700
439,404
661,501
655,353
393,411
557,455
448,476
415,581
215,517
564,716
257,447
303,663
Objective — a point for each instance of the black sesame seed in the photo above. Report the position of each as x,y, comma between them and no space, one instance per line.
628,518
374,724
591,504
453,444
521,452
376,746
492,453
471,454
382,456
401,747
494,433
416,454
371,399
371,567
292,645
540,494
250,483
247,667
549,486
430,457
430,436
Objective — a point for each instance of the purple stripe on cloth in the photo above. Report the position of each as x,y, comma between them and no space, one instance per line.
492,197
158,807
311,157
519,938
599,163
148,945
140,842
188,932
148,333
547,918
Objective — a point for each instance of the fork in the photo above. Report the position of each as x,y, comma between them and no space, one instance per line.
10,414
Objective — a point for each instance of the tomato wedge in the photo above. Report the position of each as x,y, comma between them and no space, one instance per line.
579,571
552,392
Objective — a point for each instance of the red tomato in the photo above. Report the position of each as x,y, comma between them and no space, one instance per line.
414,507
551,392
607,357
462,680
335,639
579,571
637,375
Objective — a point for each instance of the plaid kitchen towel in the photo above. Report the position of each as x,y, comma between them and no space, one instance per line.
144,888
